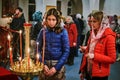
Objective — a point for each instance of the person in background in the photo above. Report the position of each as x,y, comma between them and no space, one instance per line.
84,32
35,29
82,48
37,17
100,52
54,42
71,28
117,31
17,24
80,26
62,19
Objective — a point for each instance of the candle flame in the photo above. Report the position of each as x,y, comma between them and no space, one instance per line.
20,58
37,56
37,43
20,31
10,49
8,37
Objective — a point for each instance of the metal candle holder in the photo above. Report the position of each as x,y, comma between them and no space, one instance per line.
26,68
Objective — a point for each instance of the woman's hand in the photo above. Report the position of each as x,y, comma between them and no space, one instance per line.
81,76
90,55
83,48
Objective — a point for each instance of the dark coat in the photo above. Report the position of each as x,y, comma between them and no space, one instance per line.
17,23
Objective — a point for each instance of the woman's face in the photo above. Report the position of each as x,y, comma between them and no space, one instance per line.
68,20
95,23
89,21
17,11
51,21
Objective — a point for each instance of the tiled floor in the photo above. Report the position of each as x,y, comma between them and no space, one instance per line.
72,71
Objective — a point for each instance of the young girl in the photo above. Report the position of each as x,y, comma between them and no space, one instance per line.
56,46
70,26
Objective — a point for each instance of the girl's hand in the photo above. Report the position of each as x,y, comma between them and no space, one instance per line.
52,71
46,70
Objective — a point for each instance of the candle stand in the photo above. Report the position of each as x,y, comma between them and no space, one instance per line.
26,68
26,72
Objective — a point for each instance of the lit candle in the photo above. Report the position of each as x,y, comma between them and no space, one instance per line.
20,32
37,55
43,50
11,60
37,46
20,60
37,58
28,58
8,40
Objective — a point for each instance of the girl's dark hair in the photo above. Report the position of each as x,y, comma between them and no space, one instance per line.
56,13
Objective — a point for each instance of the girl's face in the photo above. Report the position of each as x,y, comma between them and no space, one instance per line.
51,21
95,23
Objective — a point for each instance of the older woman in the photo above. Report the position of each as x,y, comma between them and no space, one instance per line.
72,34
100,52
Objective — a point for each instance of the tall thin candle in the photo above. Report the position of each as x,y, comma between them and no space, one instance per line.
20,33
37,55
11,60
37,58
37,47
28,55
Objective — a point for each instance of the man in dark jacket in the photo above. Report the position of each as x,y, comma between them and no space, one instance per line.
17,24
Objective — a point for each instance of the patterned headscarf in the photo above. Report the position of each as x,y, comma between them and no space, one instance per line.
94,38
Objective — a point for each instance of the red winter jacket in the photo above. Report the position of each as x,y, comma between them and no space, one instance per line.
72,33
104,55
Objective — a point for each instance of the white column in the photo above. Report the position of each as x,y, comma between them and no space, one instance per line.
94,5
112,7
40,5
86,8
64,6
24,5
0,8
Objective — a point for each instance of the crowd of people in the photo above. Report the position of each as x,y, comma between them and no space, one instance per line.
60,38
